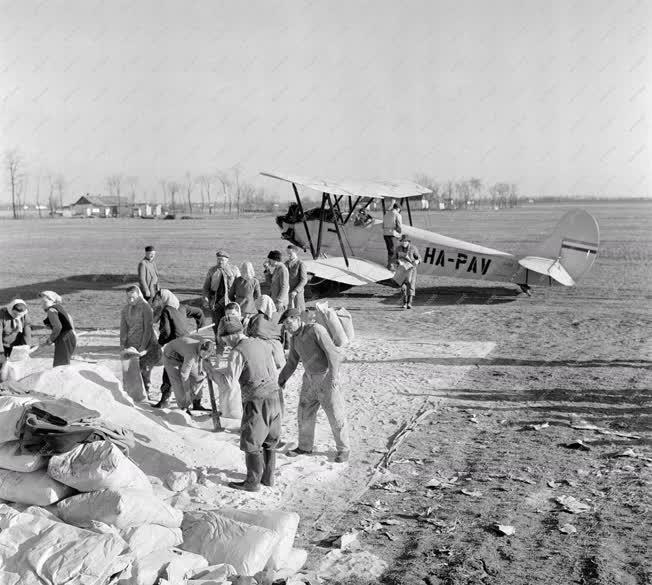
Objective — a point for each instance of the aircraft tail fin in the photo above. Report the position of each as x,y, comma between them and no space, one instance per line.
570,251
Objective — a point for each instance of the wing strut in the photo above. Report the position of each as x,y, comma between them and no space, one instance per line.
321,224
305,225
407,204
336,221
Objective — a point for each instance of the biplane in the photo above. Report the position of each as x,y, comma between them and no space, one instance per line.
347,244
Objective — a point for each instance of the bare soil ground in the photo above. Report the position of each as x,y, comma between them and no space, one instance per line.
494,365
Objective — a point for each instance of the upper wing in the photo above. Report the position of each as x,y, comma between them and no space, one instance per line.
446,242
358,272
353,188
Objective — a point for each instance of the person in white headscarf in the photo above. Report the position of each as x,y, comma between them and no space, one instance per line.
137,331
171,317
245,290
264,324
63,329
15,328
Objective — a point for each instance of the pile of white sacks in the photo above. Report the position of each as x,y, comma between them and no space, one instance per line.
90,517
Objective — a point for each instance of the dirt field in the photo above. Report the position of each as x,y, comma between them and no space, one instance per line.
493,365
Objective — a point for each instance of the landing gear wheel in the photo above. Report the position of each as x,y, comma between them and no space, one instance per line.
525,289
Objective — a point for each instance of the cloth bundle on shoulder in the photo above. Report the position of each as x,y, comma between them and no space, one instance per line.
328,318
97,466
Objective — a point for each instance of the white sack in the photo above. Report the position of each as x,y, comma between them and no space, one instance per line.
149,569
12,409
230,399
148,538
122,509
15,366
36,550
285,524
222,540
328,318
12,459
36,488
293,564
96,466
347,322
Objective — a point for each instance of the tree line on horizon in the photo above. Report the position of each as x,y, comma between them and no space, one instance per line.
223,191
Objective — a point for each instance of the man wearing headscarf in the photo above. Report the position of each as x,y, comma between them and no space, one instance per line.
63,329
278,280
251,364
298,278
137,331
217,285
172,319
15,328
148,274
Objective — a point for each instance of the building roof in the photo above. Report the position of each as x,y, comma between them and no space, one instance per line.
101,200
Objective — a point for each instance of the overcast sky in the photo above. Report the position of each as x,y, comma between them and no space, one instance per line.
552,95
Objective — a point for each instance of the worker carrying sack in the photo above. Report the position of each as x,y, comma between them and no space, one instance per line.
91,467
328,318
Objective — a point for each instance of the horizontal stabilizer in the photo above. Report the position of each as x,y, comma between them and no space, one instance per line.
549,267
357,273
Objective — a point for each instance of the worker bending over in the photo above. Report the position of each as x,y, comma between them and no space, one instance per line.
312,345
182,358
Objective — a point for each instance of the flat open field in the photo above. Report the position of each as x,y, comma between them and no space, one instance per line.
489,361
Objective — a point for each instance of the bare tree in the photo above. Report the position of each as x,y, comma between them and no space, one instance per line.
114,184
164,188
205,186
132,185
14,166
52,202
236,179
225,181
173,188
60,186
189,184
37,194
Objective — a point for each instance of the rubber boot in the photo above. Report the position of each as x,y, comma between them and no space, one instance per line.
196,405
270,465
164,402
255,463
405,299
409,301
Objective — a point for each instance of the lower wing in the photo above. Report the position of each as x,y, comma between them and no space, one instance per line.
356,273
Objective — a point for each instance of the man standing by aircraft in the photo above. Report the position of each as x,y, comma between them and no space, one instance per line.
392,228
298,278
312,345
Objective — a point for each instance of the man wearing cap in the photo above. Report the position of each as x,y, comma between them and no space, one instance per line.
216,287
406,258
312,345
148,274
298,277
278,280
251,364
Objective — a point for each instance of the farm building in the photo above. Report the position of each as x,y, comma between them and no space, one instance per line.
146,210
100,206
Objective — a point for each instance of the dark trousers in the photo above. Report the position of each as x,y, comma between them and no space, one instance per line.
218,313
64,347
390,242
261,424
